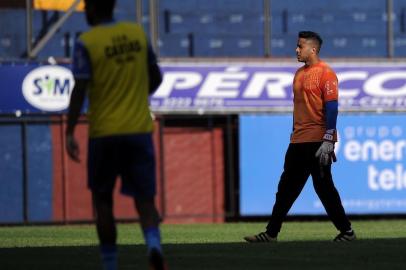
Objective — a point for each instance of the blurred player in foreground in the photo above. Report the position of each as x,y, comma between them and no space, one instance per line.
311,148
115,66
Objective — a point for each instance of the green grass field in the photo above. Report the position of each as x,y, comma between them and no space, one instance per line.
301,245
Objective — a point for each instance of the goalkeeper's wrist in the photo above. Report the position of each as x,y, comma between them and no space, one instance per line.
329,135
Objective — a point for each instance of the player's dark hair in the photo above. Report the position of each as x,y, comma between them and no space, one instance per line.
103,7
312,36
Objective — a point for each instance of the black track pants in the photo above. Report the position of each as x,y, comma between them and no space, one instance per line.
300,163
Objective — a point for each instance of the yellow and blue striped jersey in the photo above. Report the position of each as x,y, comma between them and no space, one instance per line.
114,57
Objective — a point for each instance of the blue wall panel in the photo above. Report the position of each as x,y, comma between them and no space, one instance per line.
39,173
11,174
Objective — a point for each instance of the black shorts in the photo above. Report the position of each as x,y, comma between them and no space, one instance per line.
129,156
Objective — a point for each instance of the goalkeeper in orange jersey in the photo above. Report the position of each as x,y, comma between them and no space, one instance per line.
311,148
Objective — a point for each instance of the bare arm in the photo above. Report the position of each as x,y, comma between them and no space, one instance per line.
75,106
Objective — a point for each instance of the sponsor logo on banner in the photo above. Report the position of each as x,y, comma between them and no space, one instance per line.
380,148
370,173
48,88
372,89
373,149
256,87
219,87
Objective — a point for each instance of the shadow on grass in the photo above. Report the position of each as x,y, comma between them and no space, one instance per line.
361,254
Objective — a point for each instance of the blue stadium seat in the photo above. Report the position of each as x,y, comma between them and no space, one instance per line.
334,46
283,45
55,47
228,46
399,23
13,34
399,45
76,23
179,5
235,27
399,28
125,10
242,5
354,46
214,23
173,45
204,5
277,24
242,23
183,23
341,23
179,23
315,5
349,28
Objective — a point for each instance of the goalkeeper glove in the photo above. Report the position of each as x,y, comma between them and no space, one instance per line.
325,153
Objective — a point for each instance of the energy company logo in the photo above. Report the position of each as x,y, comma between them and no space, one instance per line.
379,147
48,88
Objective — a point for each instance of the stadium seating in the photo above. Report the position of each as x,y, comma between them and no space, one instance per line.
228,45
13,32
62,42
349,28
12,37
219,28
174,45
232,28
399,28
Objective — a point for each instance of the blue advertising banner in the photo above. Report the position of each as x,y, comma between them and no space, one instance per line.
370,174
27,88
212,87
236,87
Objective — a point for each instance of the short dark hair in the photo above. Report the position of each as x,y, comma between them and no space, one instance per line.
312,36
102,7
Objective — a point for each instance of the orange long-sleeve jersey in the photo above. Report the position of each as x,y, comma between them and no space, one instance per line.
312,87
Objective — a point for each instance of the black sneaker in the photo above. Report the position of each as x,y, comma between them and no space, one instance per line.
345,236
262,237
156,260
